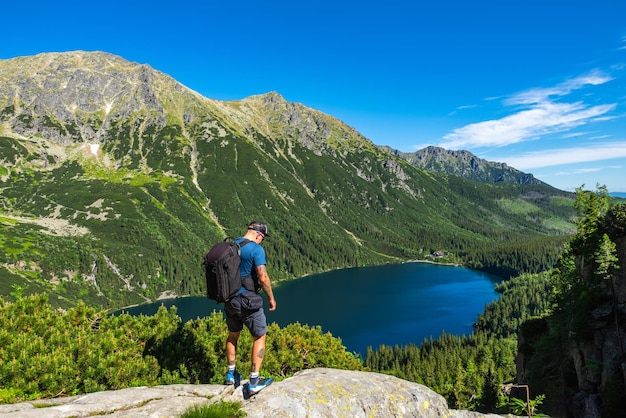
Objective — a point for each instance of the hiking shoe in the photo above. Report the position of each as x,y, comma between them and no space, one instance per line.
232,378
261,384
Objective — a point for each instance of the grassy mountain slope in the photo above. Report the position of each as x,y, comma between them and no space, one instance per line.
115,179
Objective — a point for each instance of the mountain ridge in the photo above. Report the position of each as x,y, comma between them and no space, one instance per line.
431,158
465,164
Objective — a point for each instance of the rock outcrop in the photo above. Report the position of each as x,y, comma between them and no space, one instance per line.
311,393
465,164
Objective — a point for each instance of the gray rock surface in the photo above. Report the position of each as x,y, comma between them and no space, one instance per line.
310,393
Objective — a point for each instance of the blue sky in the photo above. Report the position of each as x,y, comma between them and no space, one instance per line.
539,85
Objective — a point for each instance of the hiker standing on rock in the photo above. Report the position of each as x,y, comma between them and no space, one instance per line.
246,308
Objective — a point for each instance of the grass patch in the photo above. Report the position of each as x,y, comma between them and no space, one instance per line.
125,176
517,207
559,225
215,410
45,405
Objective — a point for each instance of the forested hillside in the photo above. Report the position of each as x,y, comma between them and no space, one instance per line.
560,333
576,355
115,179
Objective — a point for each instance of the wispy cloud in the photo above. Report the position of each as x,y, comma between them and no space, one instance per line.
575,134
579,171
557,157
460,108
541,95
466,107
538,115
542,119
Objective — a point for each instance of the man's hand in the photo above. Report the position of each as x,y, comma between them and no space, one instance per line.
272,304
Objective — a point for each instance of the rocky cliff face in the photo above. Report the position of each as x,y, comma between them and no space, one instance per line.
310,393
599,355
47,97
578,354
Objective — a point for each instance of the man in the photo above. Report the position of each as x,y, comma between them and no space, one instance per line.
246,308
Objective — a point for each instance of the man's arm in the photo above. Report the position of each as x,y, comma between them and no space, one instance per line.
266,285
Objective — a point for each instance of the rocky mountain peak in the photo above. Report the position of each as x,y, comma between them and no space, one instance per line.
465,164
75,96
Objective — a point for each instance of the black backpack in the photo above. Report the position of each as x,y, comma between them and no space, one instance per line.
221,267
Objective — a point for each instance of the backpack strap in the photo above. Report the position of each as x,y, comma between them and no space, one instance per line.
243,242
247,282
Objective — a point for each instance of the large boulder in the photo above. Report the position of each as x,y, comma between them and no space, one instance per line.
311,393
351,394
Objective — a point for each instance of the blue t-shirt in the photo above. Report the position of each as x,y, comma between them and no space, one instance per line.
252,255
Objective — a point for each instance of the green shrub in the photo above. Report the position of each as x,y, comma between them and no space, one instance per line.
46,353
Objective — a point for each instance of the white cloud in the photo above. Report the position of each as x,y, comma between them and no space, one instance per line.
557,157
466,107
538,116
539,95
575,134
579,171
458,109
542,119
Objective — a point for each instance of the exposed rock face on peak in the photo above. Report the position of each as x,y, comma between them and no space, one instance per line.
315,130
310,393
80,97
53,94
465,164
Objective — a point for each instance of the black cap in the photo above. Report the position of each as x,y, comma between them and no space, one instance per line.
259,227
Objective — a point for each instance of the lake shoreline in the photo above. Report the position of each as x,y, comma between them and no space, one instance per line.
168,295
375,265
390,304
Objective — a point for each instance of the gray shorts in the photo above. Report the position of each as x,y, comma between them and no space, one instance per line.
244,310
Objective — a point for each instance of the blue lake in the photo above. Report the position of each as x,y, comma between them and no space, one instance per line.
394,304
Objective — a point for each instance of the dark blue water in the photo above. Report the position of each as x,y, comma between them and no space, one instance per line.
392,304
